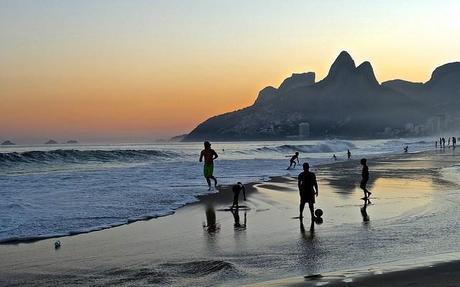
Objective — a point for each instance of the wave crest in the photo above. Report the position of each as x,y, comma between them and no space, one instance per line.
329,146
79,156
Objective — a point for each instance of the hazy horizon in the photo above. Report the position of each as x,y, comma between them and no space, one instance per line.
144,70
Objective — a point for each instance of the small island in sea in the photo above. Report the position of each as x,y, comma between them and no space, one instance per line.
51,142
8,142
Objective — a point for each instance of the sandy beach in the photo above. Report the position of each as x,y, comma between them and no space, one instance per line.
413,214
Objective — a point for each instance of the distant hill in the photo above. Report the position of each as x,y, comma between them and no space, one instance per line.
348,102
71,142
51,142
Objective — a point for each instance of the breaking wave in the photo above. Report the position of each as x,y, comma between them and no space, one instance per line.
330,146
79,156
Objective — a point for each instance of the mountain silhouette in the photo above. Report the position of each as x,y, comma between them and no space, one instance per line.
348,102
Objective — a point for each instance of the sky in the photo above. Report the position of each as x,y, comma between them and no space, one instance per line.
140,70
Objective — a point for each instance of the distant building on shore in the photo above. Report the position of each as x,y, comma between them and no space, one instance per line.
437,124
304,130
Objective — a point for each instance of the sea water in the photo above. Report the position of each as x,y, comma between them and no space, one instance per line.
55,190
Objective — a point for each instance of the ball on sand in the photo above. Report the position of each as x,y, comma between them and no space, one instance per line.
319,212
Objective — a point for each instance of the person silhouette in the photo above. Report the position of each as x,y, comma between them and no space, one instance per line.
406,148
209,156
334,157
365,179
348,154
308,189
293,159
237,188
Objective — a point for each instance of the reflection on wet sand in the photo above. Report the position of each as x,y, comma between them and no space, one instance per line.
211,225
303,231
236,217
364,214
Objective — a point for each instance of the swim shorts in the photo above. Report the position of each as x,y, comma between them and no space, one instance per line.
208,170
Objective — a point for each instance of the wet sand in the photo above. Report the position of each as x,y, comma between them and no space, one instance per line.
412,214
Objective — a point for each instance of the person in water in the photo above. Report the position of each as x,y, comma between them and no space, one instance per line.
209,156
334,157
237,188
293,160
406,148
348,153
308,190
365,179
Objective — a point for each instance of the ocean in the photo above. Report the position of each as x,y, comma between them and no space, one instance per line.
56,190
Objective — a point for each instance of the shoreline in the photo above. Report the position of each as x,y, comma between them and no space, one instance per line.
217,197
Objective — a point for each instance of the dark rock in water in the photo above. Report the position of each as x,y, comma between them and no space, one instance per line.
7,142
51,142
72,142
349,102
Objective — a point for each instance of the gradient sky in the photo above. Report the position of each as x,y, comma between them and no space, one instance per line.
147,69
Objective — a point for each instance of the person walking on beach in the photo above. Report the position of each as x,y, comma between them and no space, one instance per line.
454,142
436,144
348,154
365,179
209,156
237,188
293,159
308,190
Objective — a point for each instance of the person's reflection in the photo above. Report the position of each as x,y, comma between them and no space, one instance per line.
211,225
236,217
364,214
304,233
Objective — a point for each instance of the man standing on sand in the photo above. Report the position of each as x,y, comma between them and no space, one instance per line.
209,156
365,179
308,189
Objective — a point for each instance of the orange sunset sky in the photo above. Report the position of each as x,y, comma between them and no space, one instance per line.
141,70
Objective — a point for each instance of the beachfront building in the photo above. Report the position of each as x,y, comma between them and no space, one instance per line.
304,130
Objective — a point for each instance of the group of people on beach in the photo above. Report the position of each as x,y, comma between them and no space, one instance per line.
442,142
307,184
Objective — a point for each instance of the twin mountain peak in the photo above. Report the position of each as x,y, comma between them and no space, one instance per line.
349,102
